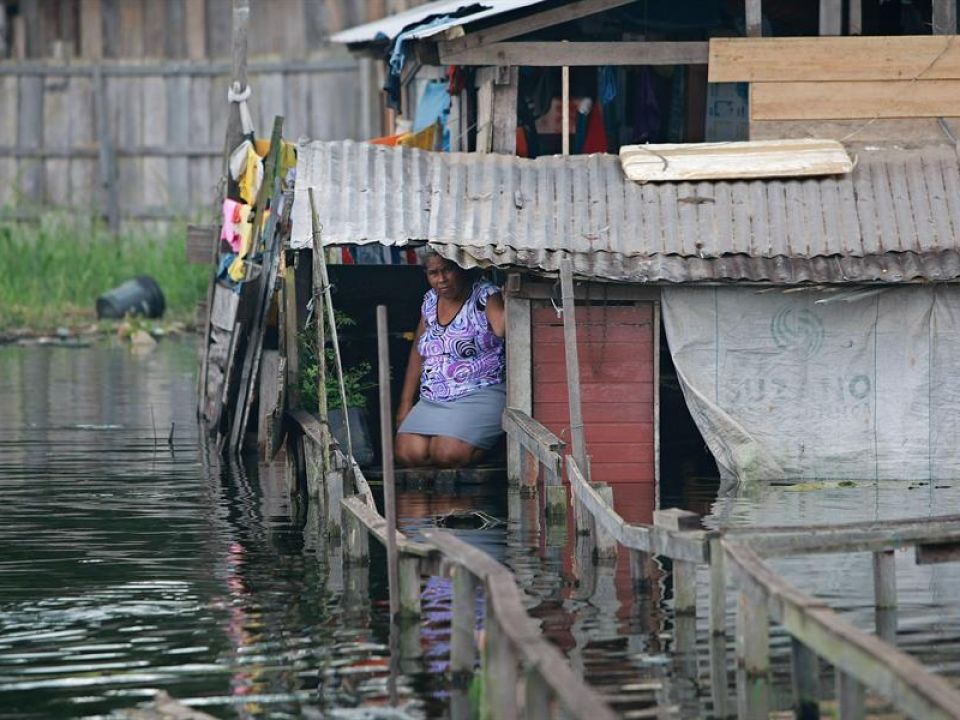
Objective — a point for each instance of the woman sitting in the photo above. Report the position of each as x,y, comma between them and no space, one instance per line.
457,360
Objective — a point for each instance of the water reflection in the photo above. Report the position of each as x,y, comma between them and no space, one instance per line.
128,566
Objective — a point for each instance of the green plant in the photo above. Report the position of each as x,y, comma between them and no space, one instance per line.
356,379
54,269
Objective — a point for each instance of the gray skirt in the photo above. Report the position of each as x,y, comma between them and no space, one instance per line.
473,418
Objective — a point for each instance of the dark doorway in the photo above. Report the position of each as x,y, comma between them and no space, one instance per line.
689,477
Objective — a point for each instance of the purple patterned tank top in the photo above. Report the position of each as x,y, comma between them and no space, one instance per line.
463,356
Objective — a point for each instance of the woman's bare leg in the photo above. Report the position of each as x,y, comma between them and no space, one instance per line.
449,452
411,450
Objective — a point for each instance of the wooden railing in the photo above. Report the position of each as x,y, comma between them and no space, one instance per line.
862,661
516,656
536,444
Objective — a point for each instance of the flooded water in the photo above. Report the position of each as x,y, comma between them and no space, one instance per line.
130,564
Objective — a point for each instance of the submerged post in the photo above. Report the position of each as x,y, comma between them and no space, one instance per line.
386,445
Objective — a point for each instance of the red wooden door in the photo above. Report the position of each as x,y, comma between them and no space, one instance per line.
617,350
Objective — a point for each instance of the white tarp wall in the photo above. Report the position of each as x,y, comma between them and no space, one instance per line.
821,384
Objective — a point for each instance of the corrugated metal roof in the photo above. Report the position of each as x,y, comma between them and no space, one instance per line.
896,218
392,25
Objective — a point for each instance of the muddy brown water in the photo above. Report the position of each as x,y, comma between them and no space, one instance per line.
128,565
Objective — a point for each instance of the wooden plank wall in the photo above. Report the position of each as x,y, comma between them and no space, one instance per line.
617,356
166,125
893,88
185,29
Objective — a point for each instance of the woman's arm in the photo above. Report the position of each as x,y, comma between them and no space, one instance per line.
496,315
411,380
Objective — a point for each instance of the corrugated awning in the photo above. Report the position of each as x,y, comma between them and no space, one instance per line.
895,218
468,12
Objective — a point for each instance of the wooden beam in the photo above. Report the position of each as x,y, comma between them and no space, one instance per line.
910,57
573,365
944,17
855,17
537,21
831,17
505,112
558,54
753,20
851,100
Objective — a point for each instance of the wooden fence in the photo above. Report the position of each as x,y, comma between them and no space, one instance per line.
147,138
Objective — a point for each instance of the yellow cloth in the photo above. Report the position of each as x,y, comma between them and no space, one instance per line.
251,176
426,139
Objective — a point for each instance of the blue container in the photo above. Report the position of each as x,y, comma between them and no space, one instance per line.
140,296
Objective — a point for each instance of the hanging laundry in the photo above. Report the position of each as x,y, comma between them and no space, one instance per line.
595,138
580,133
434,108
246,165
235,224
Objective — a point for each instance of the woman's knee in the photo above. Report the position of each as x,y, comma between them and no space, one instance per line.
412,450
450,452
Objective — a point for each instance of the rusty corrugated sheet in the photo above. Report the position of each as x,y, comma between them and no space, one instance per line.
896,218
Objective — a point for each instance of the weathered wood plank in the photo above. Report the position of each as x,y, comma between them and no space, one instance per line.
505,601
155,185
30,134
178,135
201,171
91,29
852,100
798,59
850,537
734,160
9,111
753,18
175,33
805,679
463,652
195,22
536,21
944,17
81,99
572,54
831,17
155,28
377,526
886,670
219,28
55,127
131,28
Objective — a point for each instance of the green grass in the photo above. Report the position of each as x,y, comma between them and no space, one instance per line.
52,271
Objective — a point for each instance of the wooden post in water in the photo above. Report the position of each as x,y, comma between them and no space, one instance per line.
805,677
718,640
463,653
386,447
606,546
320,264
753,654
573,366
850,696
536,696
885,595
684,573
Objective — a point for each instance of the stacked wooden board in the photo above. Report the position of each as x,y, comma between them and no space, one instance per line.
843,78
